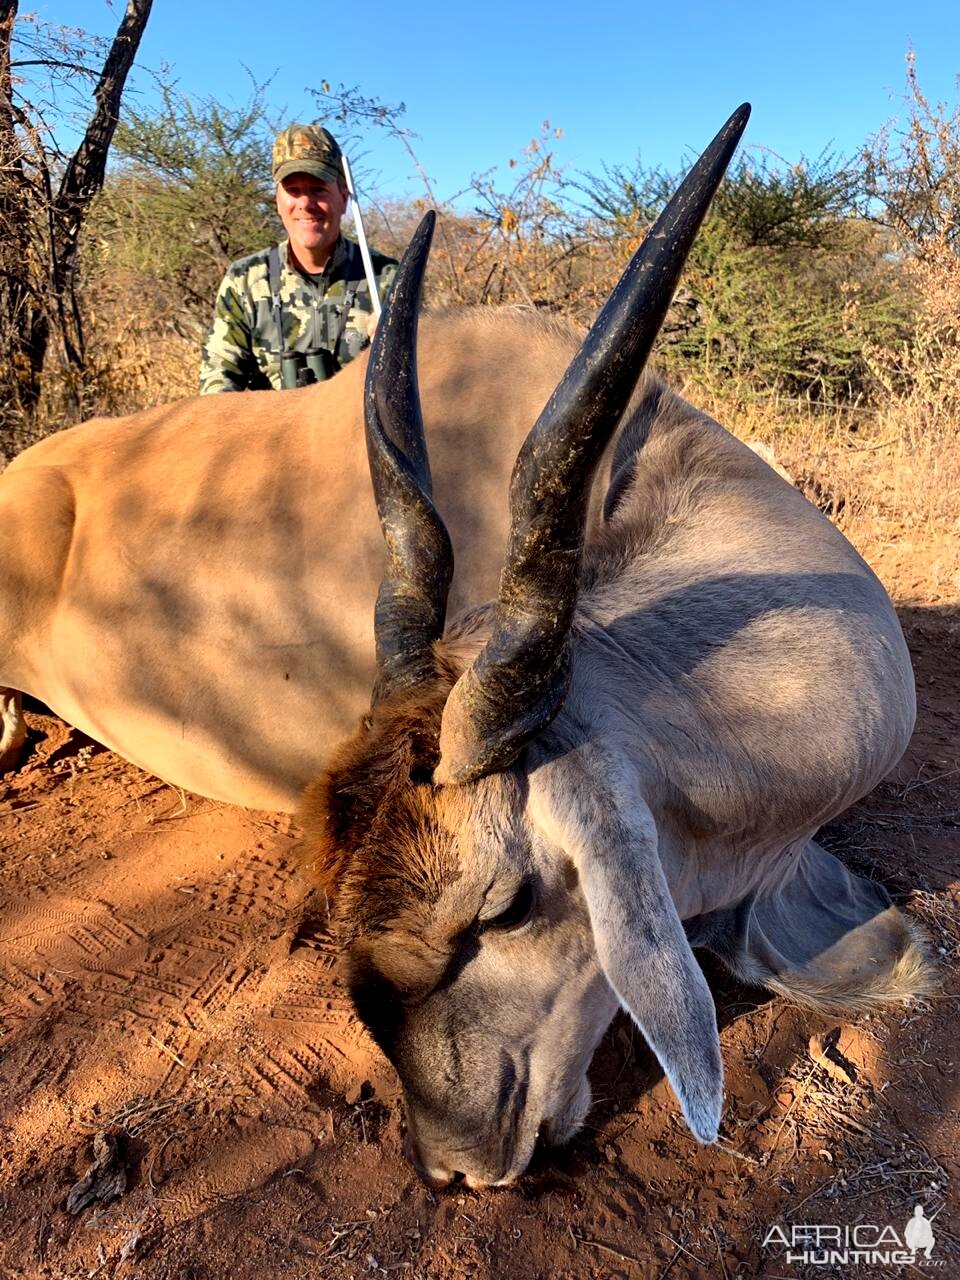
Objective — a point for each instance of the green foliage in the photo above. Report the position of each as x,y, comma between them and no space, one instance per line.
786,284
776,207
192,192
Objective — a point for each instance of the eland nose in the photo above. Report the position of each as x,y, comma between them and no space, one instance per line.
437,1179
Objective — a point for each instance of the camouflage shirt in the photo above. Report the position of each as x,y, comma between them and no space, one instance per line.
242,348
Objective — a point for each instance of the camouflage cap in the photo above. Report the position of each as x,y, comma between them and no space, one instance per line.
307,148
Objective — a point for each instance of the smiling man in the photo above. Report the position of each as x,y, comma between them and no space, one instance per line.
307,294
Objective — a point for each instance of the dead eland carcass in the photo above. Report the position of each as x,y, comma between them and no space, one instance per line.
686,671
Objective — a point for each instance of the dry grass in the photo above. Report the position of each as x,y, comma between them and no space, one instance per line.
888,476
135,365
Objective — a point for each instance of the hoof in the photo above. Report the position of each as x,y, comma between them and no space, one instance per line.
13,730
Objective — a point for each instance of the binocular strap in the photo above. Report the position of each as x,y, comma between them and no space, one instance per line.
273,273
349,300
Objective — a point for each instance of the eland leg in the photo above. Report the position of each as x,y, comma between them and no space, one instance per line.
13,729
37,511
826,938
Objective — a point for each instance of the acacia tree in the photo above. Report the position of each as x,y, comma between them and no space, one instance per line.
191,192
46,191
912,186
786,284
912,171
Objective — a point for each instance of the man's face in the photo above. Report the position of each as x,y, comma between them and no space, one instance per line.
310,211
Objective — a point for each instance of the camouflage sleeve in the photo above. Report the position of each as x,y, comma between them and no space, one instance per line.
227,361
385,279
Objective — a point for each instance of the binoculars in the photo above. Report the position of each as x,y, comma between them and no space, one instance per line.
302,368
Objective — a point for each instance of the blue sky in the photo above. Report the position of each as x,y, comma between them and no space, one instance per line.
618,78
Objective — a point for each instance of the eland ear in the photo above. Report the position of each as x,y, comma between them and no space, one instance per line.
647,960
599,819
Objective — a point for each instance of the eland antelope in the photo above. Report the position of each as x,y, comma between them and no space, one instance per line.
550,799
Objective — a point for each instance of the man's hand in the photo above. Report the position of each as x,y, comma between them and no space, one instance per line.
372,325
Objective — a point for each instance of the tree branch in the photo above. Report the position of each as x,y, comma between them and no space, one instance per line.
84,174
83,177
59,63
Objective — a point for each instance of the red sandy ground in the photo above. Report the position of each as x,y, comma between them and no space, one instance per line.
153,986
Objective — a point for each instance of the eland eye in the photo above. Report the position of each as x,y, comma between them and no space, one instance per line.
516,914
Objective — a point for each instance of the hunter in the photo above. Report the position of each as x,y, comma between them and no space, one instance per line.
308,294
